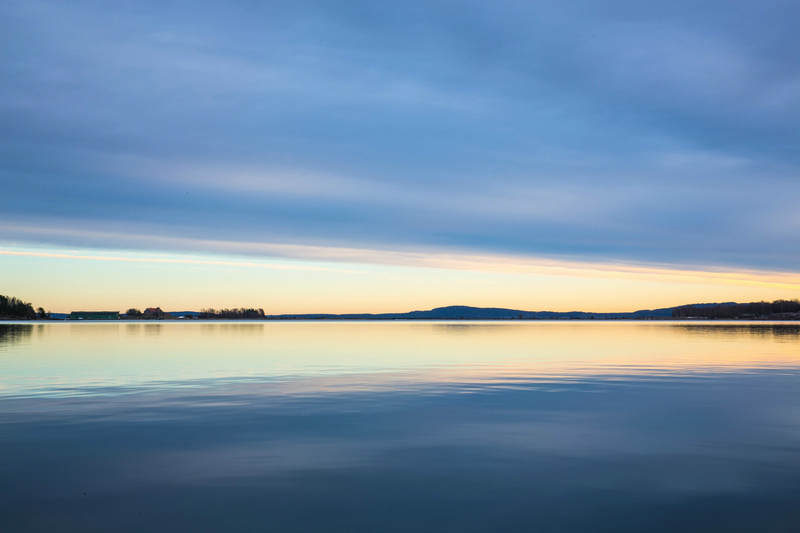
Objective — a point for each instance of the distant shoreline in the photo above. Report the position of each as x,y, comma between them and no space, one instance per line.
781,310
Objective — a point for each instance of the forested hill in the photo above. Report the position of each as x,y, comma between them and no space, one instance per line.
779,309
459,312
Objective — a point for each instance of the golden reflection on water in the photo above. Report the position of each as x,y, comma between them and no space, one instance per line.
381,355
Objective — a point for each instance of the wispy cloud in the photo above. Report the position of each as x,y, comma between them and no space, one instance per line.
309,258
168,260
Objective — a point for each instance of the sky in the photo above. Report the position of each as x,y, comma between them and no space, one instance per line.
356,156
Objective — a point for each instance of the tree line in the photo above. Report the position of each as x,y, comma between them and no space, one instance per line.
11,307
749,310
231,313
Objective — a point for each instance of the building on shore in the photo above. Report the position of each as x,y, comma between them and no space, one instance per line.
155,312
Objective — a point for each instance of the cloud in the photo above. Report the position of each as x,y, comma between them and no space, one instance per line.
620,132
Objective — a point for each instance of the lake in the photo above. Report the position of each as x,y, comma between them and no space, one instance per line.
292,426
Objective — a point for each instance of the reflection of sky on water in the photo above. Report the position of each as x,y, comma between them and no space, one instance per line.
69,358
687,429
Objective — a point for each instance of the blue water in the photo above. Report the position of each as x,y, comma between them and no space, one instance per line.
407,426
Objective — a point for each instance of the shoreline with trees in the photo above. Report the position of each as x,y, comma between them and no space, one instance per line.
12,308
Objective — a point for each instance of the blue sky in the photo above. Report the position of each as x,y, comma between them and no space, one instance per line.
660,135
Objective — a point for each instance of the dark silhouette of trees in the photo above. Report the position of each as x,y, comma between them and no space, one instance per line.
776,309
11,307
133,312
42,314
232,313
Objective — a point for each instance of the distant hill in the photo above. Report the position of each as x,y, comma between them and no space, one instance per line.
465,312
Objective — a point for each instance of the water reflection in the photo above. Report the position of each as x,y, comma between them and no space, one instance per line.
789,332
14,333
403,427
235,328
64,357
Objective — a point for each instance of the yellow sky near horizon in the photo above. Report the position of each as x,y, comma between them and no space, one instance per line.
63,280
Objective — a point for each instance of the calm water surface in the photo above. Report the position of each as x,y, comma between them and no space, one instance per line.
400,426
